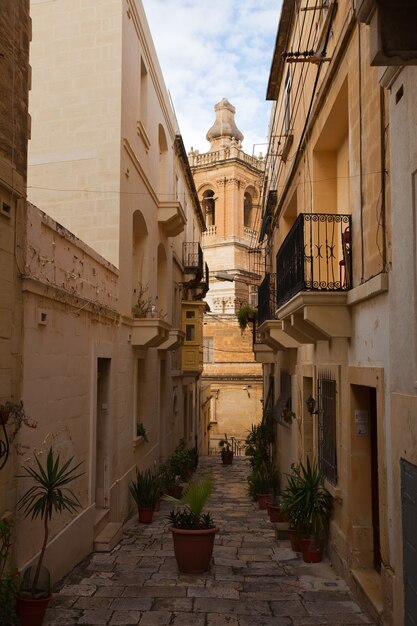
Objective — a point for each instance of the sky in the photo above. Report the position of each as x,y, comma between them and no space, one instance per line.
210,49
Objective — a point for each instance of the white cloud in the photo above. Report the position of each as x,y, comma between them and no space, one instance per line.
210,49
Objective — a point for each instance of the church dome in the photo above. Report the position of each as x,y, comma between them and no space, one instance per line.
224,127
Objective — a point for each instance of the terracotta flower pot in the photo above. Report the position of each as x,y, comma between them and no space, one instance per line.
275,514
193,549
264,500
295,540
227,457
175,492
312,549
31,612
145,514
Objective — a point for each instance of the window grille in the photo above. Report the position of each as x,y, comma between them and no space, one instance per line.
327,444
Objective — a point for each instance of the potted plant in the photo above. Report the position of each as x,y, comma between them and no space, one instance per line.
262,481
49,494
275,510
169,481
308,505
9,577
193,531
145,491
246,315
225,452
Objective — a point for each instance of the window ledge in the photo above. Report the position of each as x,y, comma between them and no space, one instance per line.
138,441
371,288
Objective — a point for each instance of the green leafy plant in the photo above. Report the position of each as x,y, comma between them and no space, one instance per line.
306,502
182,461
225,444
191,515
146,489
50,494
9,577
262,479
245,316
258,443
141,431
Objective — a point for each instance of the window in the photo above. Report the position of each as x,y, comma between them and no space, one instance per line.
208,350
327,452
189,332
253,296
247,210
209,207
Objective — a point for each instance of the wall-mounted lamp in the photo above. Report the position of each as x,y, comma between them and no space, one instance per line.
311,405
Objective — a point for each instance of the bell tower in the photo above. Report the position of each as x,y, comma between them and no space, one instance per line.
229,182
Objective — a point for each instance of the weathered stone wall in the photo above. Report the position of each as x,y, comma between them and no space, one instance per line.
14,80
14,73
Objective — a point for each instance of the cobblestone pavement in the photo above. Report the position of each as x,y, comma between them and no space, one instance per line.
254,580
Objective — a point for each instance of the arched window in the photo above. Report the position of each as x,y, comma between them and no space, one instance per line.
139,262
247,210
209,207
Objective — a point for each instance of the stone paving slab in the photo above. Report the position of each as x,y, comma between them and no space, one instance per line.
254,579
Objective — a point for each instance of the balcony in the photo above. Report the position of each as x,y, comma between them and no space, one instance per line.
314,274
171,217
262,352
269,329
149,332
175,340
192,258
392,33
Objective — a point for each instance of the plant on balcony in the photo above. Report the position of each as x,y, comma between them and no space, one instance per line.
246,315
143,302
49,494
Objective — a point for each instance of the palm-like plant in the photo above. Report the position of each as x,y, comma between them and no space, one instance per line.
191,516
306,502
50,494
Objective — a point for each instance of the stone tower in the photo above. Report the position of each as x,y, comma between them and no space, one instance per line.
228,182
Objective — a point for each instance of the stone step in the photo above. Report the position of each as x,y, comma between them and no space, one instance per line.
281,530
101,518
108,537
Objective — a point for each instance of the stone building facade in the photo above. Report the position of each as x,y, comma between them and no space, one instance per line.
111,281
14,130
324,306
229,182
393,49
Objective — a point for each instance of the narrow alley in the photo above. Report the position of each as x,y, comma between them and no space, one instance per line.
254,579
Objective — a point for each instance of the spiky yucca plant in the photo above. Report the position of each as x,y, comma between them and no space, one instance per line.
50,494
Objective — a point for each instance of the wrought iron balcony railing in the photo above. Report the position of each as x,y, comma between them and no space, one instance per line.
315,256
192,258
267,299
